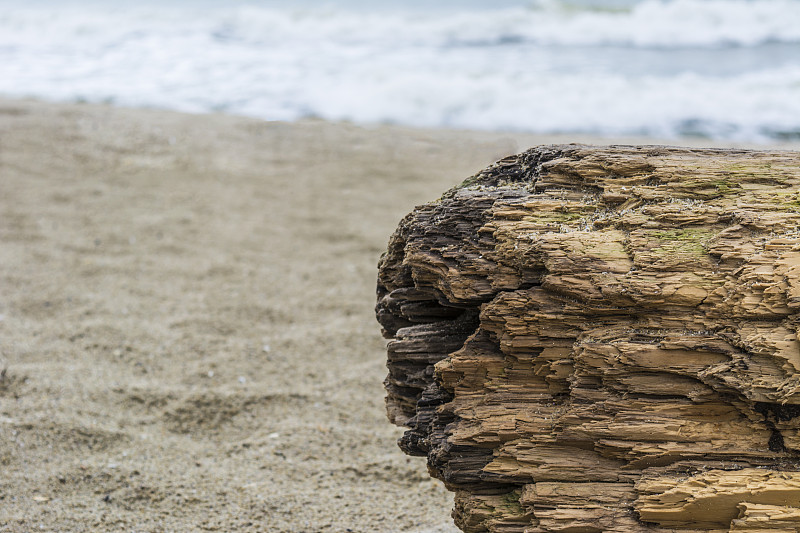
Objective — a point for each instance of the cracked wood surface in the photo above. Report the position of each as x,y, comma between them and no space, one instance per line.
588,339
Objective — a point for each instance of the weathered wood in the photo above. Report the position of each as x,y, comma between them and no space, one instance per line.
595,339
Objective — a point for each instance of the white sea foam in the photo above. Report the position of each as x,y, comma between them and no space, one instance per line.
668,23
722,68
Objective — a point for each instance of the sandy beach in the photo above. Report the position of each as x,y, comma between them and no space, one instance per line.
187,336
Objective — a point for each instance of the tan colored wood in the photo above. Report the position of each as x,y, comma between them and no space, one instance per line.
588,339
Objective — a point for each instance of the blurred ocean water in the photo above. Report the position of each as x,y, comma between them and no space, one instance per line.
724,69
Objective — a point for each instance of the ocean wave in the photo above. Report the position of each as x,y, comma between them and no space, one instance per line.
667,23
718,68
648,23
603,104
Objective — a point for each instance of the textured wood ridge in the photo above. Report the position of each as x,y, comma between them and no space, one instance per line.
591,339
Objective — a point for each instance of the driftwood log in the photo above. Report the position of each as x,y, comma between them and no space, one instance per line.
591,339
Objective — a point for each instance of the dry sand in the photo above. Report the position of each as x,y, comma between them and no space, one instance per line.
186,320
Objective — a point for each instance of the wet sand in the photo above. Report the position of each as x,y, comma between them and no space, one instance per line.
186,319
